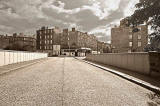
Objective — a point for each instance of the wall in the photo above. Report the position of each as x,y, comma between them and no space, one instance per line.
154,61
138,62
10,57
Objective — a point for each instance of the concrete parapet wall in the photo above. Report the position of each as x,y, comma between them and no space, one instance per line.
138,62
10,57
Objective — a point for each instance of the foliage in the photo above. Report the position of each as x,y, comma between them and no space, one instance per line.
148,11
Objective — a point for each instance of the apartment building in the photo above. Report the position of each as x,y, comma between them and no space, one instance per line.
77,42
125,39
19,42
47,38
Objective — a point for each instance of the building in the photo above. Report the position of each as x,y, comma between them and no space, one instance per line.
76,43
128,39
103,47
22,42
18,42
4,42
46,38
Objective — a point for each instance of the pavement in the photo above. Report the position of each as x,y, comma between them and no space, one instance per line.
150,80
65,81
13,67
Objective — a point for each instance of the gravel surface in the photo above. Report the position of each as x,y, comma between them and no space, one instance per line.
69,82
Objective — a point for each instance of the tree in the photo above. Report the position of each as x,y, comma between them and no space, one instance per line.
148,11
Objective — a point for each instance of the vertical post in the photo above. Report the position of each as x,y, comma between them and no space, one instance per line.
9,57
4,58
13,56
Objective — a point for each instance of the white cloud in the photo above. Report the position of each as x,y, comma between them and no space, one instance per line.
129,10
94,16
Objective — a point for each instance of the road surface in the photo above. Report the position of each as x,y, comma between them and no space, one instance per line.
65,81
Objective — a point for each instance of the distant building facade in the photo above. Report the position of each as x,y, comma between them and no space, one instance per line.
4,42
23,42
46,38
18,42
77,42
124,39
103,47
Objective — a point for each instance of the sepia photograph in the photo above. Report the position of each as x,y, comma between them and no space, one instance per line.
79,52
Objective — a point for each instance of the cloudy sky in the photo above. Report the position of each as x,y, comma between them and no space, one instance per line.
93,16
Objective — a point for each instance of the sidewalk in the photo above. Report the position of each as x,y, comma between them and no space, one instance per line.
16,66
149,82
153,80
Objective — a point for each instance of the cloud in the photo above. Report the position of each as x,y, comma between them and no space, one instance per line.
93,16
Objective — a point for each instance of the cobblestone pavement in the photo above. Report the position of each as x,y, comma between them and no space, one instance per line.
69,82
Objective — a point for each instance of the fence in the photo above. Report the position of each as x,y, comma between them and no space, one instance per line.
10,57
139,62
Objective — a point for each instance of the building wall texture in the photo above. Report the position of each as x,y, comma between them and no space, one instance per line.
76,39
123,39
46,38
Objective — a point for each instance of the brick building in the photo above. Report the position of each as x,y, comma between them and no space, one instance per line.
124,39
4,42
75,41
22,42
19,42
47,38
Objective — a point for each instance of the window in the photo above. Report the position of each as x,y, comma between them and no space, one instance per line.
139,44
45,42
40,47
130,44
139,37
51,47
44,47
130,36
51,41
40,42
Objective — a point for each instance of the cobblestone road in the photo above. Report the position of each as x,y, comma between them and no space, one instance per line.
68,82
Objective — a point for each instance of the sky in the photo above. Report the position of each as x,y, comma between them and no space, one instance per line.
92,16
